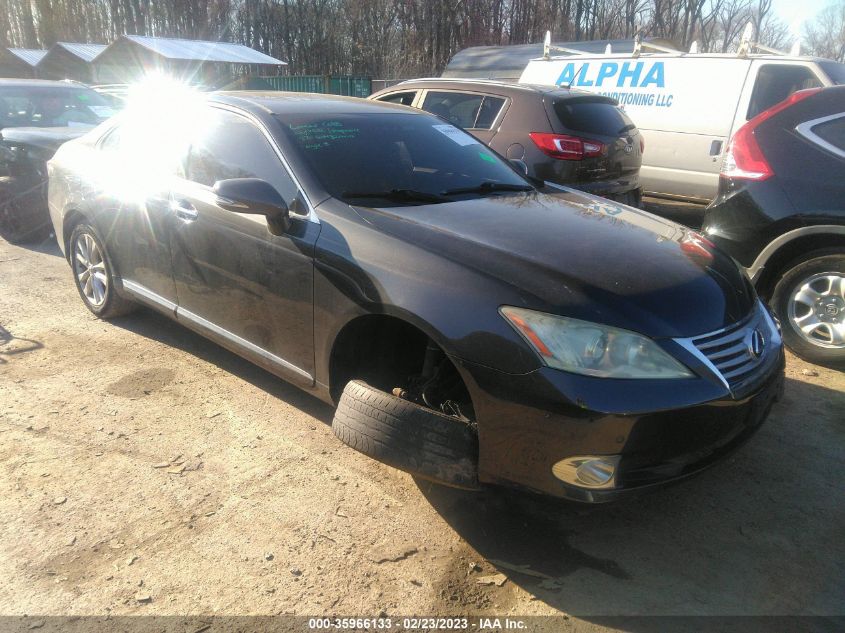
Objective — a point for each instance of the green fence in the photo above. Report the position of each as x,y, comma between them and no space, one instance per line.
336,85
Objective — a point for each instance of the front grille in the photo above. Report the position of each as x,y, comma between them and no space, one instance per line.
728,350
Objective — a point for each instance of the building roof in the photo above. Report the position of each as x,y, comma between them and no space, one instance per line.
85,52
199,50
30,56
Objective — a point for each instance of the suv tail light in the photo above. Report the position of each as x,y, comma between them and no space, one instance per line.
566,147
744,159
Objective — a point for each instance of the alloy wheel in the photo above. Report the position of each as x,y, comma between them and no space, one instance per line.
90,270
816,309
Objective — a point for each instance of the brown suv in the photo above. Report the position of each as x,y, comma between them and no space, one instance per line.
564,136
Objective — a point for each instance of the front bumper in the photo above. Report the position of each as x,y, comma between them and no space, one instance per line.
529,422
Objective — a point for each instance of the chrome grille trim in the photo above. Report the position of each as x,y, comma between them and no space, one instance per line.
726,352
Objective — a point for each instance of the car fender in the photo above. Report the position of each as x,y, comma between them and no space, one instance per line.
756,269
459,316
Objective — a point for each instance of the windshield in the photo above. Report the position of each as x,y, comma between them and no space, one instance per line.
386,159
835,71
51,106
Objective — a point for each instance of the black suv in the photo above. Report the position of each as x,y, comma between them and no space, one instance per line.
471,326
781,213
568,137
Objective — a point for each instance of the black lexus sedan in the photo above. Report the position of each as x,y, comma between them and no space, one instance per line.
471,326
781,213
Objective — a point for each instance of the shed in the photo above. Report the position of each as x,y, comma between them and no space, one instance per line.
20,62
69,60
508,62
210,63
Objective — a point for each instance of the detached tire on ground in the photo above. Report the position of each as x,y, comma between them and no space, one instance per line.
407,436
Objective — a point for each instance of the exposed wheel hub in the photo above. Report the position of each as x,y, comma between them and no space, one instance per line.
830,310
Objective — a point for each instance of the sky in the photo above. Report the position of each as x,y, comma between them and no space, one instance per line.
795,12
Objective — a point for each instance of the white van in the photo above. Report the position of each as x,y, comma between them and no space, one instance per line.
686,105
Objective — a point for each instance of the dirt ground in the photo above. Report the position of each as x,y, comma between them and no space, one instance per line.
148,471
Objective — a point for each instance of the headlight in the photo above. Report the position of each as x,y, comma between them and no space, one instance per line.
592,349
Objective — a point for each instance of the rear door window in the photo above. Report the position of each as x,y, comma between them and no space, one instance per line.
775,82
593,117
832,131
827,132
467,110
141,144
401,98
488,112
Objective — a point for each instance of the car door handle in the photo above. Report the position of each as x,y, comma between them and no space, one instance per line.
715,148
184,209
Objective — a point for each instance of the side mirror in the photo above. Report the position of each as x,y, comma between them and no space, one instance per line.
520,165
253,195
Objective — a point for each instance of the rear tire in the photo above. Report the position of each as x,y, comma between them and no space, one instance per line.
94,275
809,300
409,437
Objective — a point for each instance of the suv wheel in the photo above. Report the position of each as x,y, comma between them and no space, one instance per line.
93,274
809,300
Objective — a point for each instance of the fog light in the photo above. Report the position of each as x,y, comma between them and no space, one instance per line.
588,471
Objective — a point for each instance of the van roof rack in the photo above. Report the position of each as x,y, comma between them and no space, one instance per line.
548,47
746,47
639,45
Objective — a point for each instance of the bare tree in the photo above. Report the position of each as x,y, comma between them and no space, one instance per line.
732,18
395,38
825,36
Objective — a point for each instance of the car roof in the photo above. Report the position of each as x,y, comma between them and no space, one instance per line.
502,87
41,83
275,102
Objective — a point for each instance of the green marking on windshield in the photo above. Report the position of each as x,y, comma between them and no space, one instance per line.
83,97
323,133
486,157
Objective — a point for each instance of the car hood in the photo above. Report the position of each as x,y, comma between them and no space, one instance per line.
583,257
42,137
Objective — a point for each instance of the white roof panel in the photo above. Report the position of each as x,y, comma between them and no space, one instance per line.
199,50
